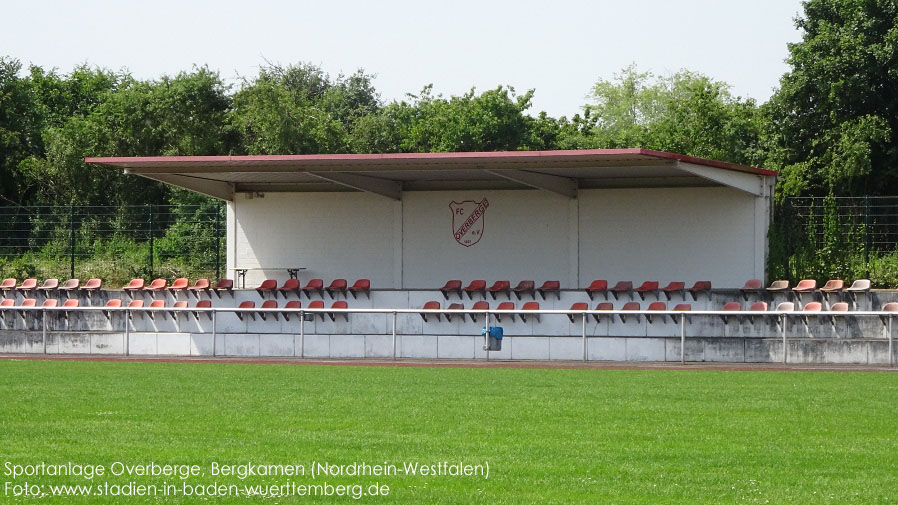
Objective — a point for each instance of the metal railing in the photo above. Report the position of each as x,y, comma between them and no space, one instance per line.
680,317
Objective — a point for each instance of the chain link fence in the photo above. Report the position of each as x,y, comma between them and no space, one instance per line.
113,243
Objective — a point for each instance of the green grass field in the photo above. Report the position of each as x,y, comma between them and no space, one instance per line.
549,436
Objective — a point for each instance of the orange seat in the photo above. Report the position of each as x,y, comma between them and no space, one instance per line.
455,306
476,286
134,285
135,304
730,307
314,285
805,286
203,304
224,285
157,285
890,307
452,286
8,283
200,285
361,286
158,304
430,306
481,305
683,306
530,306
758,307
28,285
813,307
95,284
29,302
270,304
50,302
505,306
621,288
833,285
500,287
339,304
69,285
597,286
7,302
337,286
550,287
290,285
525,287
316,304
49,285
577,306
674,287
180,284
629,306
246,305
71,303
647,287
114,303
267,286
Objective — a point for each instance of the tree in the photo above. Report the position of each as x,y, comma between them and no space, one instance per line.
834,119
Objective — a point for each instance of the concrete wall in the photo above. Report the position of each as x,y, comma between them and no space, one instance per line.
664,234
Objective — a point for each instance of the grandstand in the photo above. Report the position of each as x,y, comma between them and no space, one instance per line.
579,255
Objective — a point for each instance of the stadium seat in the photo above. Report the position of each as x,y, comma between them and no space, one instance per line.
730,307
337,286
857,287
181,284
292,304
8,302
481,305
112,303
629,306
27,285
72,303
179,304
339,304
270,304
199,285
833,286
684,307
8,284
505,306
246,305
577,306
805,286
316,285
752,286
785,307
157,285
655,306
622,287
530,306
430,306
500,287
29,302
224,285
158,304
50,302
778,286
315,304
136,304
476,286
132,287
602,306
455,306
597,286
203,304
891,308
290,286
674,287
837,307
453,286
813,307
49,285
647,287
361,286
550,287
69,285
700,287
525,287
757,307
94,284
267,286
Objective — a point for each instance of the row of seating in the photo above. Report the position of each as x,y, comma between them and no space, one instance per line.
317,286
595,287
181,284
28,285
483,305
832,286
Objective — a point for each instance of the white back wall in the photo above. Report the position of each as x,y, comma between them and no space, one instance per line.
664,234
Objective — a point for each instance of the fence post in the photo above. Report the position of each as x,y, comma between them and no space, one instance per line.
394,335
218,243
787,232
867,235
152,248
72,241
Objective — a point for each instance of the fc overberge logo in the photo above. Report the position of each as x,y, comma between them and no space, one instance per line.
467,221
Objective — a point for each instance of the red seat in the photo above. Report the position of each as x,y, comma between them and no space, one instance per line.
8,284
476,286
95,284
505,306
525,287
530,306
453,286
674,287
29,302
69,285
157,285
50,302
455,306
134,285
629,306
550,287
481,305
224,285
180,284
500,287
7,302
577,306
753,285
314,285
622,287
805,286
267,286
292,304
758,307
28,285
339,304
203,304
180,304
361,286
290,285
656,306
246,305
833,286
430,306
49,285
337,286
597,286
114,303
647,287
158,304
316,304
602,306
269,304
730,307
135,304
700,287
684,307
813,307
73,303
200,285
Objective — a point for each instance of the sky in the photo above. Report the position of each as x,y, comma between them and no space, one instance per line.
559,48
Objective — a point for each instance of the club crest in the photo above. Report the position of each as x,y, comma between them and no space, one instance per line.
467,221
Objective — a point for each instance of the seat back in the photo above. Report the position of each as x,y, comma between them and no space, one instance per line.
316,304
657,306
631,306
833,285
648,286
225,284
338,284
267,285
180,283
860,285
890,307
427,306
839,307
290,284
50,284
314,284
530,306
704,286
29,302
8,283
158,284
481,305
605,306
114,302
525,286
778,285
180,304
455,306
623,286
785,307
247,305
598,285
758,307
28,284
505,306
361,285
683,306
7,302
732,306
135,304
270,304
200,284
501,286
97,283
550,286
813,307
451,285
157,304
71,284
72,302
293,304
50,302
579,306
754,284
476,285
204,304
134,284
806,284
675,286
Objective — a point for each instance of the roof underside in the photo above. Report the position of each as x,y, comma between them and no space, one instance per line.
562,172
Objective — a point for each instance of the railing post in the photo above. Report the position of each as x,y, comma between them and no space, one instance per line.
486,334
127,332
302,334
867,235
214,334
394,335
682,339
785,346
44,329
583,323
891,339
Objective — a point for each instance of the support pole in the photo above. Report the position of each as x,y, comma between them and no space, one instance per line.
486,335
891,340
44,330
394,335
583,324
682,339
302,334
127,332
214,334
785,351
